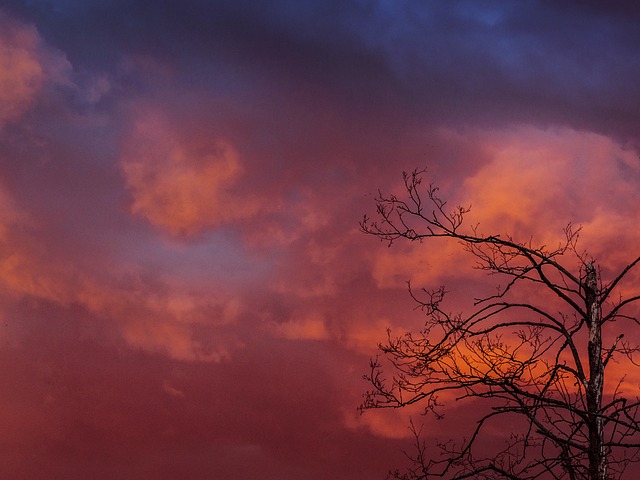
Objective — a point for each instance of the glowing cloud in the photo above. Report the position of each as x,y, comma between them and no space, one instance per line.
21,74
26,63
535,182
311,328
182,187
539,180
184,292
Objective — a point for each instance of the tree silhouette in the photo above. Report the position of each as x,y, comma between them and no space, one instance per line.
542,359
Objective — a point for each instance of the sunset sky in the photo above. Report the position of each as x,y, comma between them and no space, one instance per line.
184,289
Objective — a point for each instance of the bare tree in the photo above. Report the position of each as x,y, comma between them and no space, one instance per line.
542,359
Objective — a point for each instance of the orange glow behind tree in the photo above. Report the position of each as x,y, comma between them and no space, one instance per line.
518,357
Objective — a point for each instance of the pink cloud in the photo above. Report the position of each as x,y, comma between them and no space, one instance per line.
312,327
534,183
144,346
183,185
153,315
21,73
26,64
10,214
539,180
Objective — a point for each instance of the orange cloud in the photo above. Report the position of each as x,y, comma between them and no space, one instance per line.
183,187
535,183
156,317
364,334
312,327
420,263
21,74
539,180
386,423
25,65
174,339
10,214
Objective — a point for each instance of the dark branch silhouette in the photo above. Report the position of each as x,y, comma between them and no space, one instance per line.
543,359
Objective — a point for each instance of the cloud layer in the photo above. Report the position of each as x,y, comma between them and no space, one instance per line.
179,185
184,289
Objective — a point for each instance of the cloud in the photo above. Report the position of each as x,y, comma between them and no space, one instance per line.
26,64
21,72
385,423
157,315
309,328
181,187
11,214
533,183
540,180
177,339
183,283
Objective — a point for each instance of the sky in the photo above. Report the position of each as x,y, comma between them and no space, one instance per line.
184,289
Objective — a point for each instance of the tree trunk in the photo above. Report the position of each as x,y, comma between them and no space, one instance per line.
597,451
